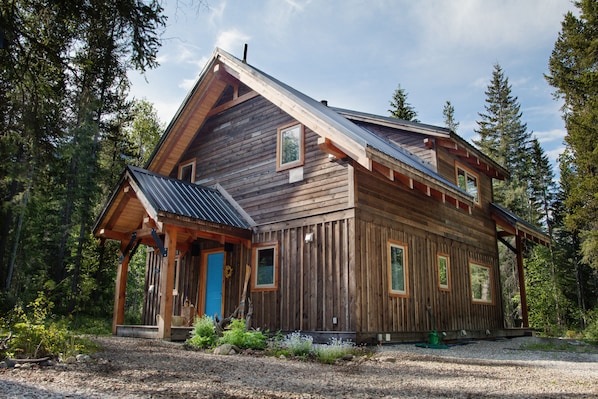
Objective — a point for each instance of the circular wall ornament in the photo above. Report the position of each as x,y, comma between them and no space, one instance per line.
228,271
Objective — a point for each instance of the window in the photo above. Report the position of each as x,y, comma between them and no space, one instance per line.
289,148
468,181
187,171
443,272
265,260
481,283
397,269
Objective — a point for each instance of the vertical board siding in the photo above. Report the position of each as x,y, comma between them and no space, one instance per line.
388,211
237,149
314,283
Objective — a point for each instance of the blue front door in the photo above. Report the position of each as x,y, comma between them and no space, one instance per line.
215,265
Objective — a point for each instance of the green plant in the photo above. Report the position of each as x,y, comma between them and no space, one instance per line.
590,334
203,334
297,344
37,333
237,335
334,350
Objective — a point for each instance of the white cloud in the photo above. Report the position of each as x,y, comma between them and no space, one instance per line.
550,136
216,14
232,40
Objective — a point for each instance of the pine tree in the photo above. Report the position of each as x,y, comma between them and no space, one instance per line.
505,138
573,70
449,116
400,108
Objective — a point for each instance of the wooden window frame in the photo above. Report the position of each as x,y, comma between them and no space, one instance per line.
294,164
467,171
473,264
392,292
254,272
446,257
183,165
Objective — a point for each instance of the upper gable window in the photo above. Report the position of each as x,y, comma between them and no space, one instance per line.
187,171
469,182
290,151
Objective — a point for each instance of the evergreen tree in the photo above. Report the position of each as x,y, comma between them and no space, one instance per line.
400,108
449,116
504,137
573,70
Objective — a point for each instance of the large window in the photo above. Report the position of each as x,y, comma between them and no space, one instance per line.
290,151
265,261
443,261
187,171
481,283
469,182
398,277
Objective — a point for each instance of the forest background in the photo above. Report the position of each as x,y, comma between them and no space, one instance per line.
68,129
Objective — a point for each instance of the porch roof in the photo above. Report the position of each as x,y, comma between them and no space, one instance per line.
182,198
512,224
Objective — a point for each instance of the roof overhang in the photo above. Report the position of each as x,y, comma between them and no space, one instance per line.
512,225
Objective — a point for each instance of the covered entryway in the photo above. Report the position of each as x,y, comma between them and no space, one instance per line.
196,232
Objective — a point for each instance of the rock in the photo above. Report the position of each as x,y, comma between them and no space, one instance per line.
83,358
227,349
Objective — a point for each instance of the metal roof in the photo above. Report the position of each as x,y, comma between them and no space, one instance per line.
182,198
518,223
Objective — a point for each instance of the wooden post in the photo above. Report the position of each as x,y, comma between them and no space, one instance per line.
167,285
120,290
522,294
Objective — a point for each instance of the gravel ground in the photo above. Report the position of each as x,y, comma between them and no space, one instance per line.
138,368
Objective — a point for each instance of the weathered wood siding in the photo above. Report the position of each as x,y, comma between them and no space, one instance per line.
189,280
237,149
316,283
387,210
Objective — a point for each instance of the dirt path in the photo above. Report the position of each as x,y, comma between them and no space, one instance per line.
137,368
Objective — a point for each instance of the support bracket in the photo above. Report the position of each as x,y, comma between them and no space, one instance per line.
507,244
160,244
128,247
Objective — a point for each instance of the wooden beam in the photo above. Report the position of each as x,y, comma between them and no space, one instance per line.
120,290
383,170
167,285
328,147
522,293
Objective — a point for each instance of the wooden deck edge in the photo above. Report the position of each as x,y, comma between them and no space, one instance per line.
151,332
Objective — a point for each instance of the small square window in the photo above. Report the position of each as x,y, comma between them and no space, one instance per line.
290,147
481,283
398,277
468,182
265,257
187,171
443,272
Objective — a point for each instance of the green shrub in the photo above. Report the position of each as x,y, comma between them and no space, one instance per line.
590,334
334,350
204,333
36,333
297,344
236,335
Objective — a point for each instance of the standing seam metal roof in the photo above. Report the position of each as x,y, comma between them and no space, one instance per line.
186,199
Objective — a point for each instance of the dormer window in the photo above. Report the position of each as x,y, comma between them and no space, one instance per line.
187,171
469,182
290,151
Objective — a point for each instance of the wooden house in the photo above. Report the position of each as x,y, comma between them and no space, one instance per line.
354,225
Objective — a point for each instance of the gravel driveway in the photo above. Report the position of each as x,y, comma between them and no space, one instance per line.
138,368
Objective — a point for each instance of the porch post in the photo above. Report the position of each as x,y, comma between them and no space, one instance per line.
167,285
120,291
522,294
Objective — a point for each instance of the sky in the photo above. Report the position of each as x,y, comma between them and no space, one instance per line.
355,53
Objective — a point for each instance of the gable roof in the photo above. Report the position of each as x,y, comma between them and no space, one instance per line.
338,134
142,193
181,198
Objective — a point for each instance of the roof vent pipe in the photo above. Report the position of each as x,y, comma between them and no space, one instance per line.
325,102
245,54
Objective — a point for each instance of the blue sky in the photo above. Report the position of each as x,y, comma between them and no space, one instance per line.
354,54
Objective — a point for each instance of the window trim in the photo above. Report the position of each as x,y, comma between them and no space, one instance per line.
255,251
301,160
395,293
490,283
183,165
473,174
439,256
